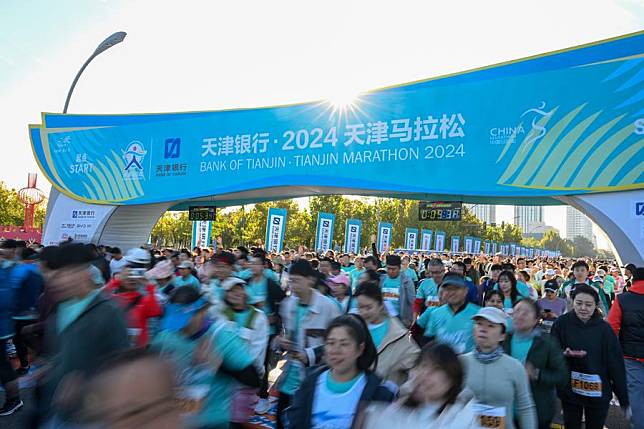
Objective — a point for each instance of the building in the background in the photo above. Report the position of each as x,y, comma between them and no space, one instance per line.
485,212
528,217
538,229
578,225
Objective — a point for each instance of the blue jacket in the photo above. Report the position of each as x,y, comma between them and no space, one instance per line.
7,290
28,287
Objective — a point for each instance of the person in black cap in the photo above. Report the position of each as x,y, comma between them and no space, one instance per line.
83,331
398,291
551,306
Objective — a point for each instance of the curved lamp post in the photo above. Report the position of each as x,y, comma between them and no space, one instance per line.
112,40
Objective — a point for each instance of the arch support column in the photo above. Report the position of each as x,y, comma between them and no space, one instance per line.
621,216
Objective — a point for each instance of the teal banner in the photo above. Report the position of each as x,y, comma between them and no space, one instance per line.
468,244
426,240
456,240
477,245
564,123
352,233
324,233
275,229
201,233
440,241
411,238
385,230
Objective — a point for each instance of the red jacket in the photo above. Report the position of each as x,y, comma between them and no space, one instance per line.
615,313
137,314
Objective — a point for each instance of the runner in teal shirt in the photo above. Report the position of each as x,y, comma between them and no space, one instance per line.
184,328
186,278
358,269
452,323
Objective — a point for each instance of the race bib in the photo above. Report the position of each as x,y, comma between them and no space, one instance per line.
133,335
193,388
488,416
586,384
432,301
546,325
192,398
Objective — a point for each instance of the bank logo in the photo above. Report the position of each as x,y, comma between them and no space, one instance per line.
538,130
639,209
134,155
172,148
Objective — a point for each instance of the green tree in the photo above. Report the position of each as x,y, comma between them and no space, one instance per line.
530,242
12,210
584,247
552,241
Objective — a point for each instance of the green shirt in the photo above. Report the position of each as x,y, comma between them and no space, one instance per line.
355,277
453,329
340,387
411,274
228,346
68,311
294,369
379,332
520,347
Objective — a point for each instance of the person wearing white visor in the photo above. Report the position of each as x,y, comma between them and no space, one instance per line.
498,381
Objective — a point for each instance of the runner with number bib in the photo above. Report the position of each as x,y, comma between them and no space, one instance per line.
594,359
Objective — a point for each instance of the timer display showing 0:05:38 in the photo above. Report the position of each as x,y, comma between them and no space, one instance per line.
442,214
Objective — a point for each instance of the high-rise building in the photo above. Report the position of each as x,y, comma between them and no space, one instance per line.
577,224
485,212
528,217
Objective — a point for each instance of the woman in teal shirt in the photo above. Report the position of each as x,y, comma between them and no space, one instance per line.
539,353
332,396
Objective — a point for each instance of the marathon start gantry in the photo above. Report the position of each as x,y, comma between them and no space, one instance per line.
559,128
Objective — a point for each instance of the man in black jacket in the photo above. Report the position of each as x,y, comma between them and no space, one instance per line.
84,330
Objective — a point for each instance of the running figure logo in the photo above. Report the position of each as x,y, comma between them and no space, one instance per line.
538,130
134,155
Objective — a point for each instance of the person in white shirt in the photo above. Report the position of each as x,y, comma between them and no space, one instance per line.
118,262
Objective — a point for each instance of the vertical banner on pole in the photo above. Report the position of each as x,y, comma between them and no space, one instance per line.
411,236
456,241
494,247
352,233
513,249
477,245
384,236
275,228
469,244
487,247
426,240
440,241
324,234
201,231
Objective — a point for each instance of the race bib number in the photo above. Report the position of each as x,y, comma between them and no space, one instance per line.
586,384
192,398
488,416
390,293
432,301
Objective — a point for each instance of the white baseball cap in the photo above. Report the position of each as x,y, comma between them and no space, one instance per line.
137,256
491,314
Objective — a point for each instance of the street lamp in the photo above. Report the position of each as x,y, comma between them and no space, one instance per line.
112,40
